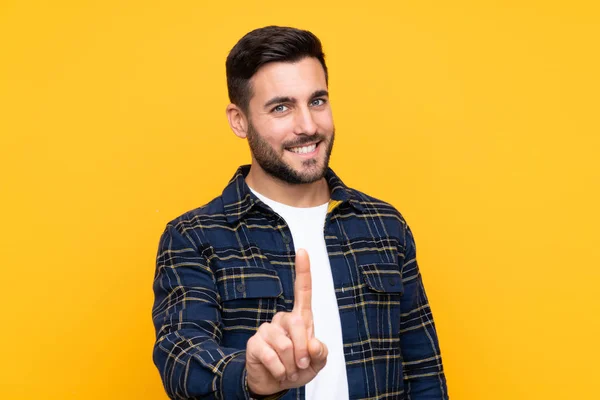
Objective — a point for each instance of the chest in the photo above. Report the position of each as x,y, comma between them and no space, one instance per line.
254,259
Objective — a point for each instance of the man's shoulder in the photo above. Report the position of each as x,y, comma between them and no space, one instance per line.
209,214
364,203
374,205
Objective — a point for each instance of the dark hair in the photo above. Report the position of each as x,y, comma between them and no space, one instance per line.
262,46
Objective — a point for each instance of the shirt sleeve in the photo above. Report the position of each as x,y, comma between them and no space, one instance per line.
187,320
424,377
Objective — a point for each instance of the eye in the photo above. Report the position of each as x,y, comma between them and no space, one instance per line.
317,102
279,108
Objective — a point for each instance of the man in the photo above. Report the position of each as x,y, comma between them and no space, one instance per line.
290,284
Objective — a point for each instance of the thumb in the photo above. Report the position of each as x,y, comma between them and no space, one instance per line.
318,352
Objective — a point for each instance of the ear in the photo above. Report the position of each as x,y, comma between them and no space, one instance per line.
237,121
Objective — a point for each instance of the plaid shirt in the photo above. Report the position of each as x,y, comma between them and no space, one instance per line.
225,268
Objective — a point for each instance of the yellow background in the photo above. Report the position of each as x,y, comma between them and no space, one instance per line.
478,120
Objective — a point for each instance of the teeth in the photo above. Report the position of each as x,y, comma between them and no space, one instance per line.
304,150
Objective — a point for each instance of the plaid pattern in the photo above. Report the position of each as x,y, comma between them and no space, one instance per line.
225,268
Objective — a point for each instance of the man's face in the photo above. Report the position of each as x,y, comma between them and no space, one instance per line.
291,130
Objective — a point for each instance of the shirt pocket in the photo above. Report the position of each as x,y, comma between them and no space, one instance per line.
249,297
379,304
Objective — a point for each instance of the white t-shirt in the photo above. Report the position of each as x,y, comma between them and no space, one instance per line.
306,225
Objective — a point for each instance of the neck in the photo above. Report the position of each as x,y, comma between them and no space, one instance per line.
294,195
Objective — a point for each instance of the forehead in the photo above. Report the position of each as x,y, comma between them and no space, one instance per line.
296,78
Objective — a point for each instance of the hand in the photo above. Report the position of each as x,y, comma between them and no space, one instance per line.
284,353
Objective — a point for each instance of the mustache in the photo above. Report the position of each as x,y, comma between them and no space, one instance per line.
305,139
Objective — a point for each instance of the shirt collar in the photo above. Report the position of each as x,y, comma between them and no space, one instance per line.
238,199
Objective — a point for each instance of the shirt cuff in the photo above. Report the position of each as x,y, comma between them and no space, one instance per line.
233,379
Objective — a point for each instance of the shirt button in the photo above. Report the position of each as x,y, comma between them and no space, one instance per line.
392,281
240,287
286,240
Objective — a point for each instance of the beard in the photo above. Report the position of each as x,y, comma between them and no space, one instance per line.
273,164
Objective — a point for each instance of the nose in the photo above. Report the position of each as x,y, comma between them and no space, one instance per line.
304,122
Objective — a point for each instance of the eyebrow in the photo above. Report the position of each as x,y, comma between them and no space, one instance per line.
286,99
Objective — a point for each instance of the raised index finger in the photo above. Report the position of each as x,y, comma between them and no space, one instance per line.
303,283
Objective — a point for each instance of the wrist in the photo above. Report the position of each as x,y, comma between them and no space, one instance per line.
255,396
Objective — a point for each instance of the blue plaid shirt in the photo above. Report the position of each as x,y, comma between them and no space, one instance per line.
227,267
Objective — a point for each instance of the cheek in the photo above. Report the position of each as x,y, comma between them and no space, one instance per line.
325,121
273,134
276,131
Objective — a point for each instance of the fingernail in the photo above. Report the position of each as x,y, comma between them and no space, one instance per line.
294,377
304,362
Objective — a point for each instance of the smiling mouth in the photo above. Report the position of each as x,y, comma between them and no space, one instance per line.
304,149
